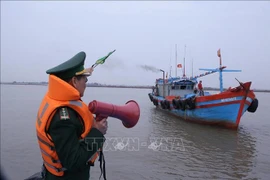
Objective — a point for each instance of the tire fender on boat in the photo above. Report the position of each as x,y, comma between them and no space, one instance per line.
150,97
190,103
253,106
182,104
162,103
167,104
175,104
178,102
156,102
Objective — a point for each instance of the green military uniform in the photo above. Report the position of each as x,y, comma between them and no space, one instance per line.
66,128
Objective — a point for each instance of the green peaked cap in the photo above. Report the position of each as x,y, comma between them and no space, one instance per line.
70,68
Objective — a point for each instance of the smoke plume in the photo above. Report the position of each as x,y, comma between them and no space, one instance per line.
150,68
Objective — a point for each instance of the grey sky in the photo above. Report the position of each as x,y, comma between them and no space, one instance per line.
36,36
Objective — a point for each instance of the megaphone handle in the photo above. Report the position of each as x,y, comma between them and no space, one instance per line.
99,117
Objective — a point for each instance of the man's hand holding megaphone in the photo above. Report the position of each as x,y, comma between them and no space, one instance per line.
101,124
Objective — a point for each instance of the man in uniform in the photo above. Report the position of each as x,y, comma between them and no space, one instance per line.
69,138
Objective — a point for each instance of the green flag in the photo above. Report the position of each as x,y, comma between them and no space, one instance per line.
102,60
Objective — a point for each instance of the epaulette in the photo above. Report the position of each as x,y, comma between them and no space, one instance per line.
64,113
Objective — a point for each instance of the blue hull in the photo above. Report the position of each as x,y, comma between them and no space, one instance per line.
211,112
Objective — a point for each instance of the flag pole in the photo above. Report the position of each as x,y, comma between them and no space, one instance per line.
220,72
184,74
175,60
192,68
219,55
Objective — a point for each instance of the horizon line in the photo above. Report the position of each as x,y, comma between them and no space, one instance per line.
95,84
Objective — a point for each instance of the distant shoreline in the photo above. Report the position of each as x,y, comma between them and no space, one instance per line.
115,86
88,85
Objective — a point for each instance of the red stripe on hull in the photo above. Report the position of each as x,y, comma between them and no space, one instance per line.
218,96
224,95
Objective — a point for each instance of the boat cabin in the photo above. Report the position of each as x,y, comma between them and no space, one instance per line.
174,87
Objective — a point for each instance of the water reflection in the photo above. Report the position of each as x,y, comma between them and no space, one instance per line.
208,152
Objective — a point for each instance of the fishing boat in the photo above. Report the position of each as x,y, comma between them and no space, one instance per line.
179,96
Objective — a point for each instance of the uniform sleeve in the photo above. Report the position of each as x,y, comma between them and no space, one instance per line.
65,132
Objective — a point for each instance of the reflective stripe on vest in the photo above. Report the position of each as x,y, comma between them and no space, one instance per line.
76,103
59,170
44,142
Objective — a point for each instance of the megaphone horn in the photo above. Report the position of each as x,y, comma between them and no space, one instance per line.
129,114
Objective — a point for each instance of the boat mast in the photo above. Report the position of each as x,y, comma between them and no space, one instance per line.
184,73
175,60
192,68
170,71
170,64
220,71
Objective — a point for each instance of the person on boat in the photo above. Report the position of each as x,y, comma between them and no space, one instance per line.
69,138
200,88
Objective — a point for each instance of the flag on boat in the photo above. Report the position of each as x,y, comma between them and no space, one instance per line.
179,65
218,53
102,60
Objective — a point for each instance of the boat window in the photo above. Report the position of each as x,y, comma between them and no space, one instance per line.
189,87
183,87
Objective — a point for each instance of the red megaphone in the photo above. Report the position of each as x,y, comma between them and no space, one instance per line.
129,114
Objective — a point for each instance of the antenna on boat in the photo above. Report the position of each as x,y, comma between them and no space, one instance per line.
175,60
184,73
192,67
170,71
170,68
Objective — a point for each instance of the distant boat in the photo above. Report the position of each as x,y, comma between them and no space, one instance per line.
179,96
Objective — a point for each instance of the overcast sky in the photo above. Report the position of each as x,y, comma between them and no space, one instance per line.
36,36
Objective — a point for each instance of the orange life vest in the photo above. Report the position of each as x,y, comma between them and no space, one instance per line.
59,94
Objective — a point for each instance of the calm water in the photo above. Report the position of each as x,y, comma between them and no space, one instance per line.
160,146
